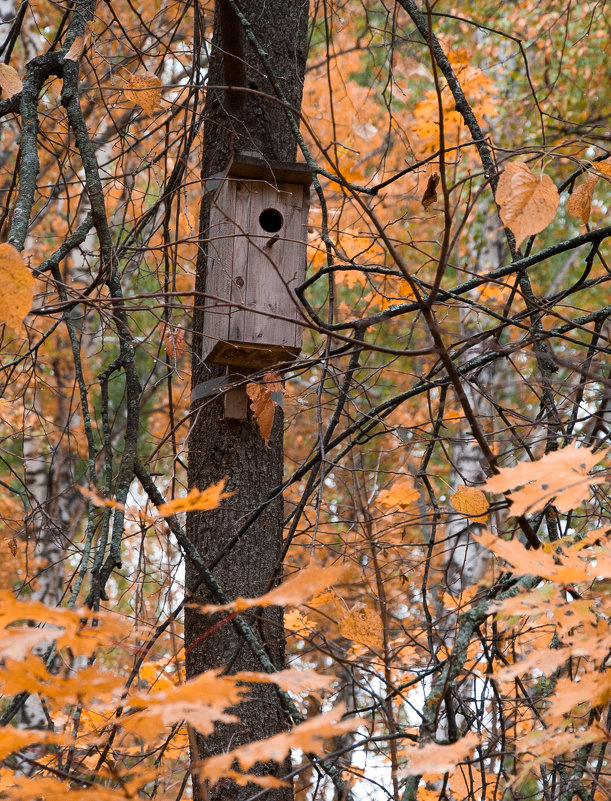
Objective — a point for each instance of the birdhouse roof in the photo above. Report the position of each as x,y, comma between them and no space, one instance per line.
253,167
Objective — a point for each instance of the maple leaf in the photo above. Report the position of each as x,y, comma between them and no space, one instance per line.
560,475
10,82
196,500
13,739
528,201
402,494
470,502
580,202
435,758
17,287
262,404
144,89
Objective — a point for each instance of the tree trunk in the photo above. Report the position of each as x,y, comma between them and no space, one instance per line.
241,120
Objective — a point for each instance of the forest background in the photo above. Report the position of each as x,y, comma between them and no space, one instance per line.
445,558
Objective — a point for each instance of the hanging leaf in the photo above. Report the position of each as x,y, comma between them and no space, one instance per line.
580,202
561,475
17,288
528,201
470,502
144,89
196,500
262,404
361,625
430,193
10,82
435,758
402,494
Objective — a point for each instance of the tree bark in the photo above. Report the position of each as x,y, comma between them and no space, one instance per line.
245,118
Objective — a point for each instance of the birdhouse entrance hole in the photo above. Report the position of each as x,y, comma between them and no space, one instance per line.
271,220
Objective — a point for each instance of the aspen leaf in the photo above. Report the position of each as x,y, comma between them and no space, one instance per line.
470,502
401,494
309,736
561,475
361,625
143,89
580,202
528,201
262,404
435,758
10,82
17,287
196,500
430,193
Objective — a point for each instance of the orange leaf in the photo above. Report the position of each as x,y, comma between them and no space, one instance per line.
602,168
10,82
435,758
196,500
528,201
580,201
144,89
560,475
13,739
262,404
401,494
470,502
17,287
362,625
77,48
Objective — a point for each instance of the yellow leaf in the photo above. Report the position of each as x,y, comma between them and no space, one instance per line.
560,475
10,82
401,494
262,404
196,500
528,201
17,287
580,201
470,502
362,625
309,736
435,758
144,89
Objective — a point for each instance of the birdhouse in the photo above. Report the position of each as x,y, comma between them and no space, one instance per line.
256,259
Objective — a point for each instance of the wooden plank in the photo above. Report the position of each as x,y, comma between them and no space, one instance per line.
243,200
220,261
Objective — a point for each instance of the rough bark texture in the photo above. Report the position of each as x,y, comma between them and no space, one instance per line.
240,121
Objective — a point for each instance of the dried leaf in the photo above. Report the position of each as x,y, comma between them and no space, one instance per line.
262,404
580,201
196,500
470,502
430,193
402,494
10,82
560,475
77,48
309,736
174,343
528,201
144,89
435,758
361,625
603,169
17,288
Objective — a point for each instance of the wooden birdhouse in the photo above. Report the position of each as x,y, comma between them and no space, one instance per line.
256,259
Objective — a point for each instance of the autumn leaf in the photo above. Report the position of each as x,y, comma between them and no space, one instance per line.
262,404
528,201
77,48
580,201
430,193
10,82
602,168
13,739
196,500
435,758
561,475
295,590
308,736
593,689
99,501
470,502
144,89
362,625
17,287
402,494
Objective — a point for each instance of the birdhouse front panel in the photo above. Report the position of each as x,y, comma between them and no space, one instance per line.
256,259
